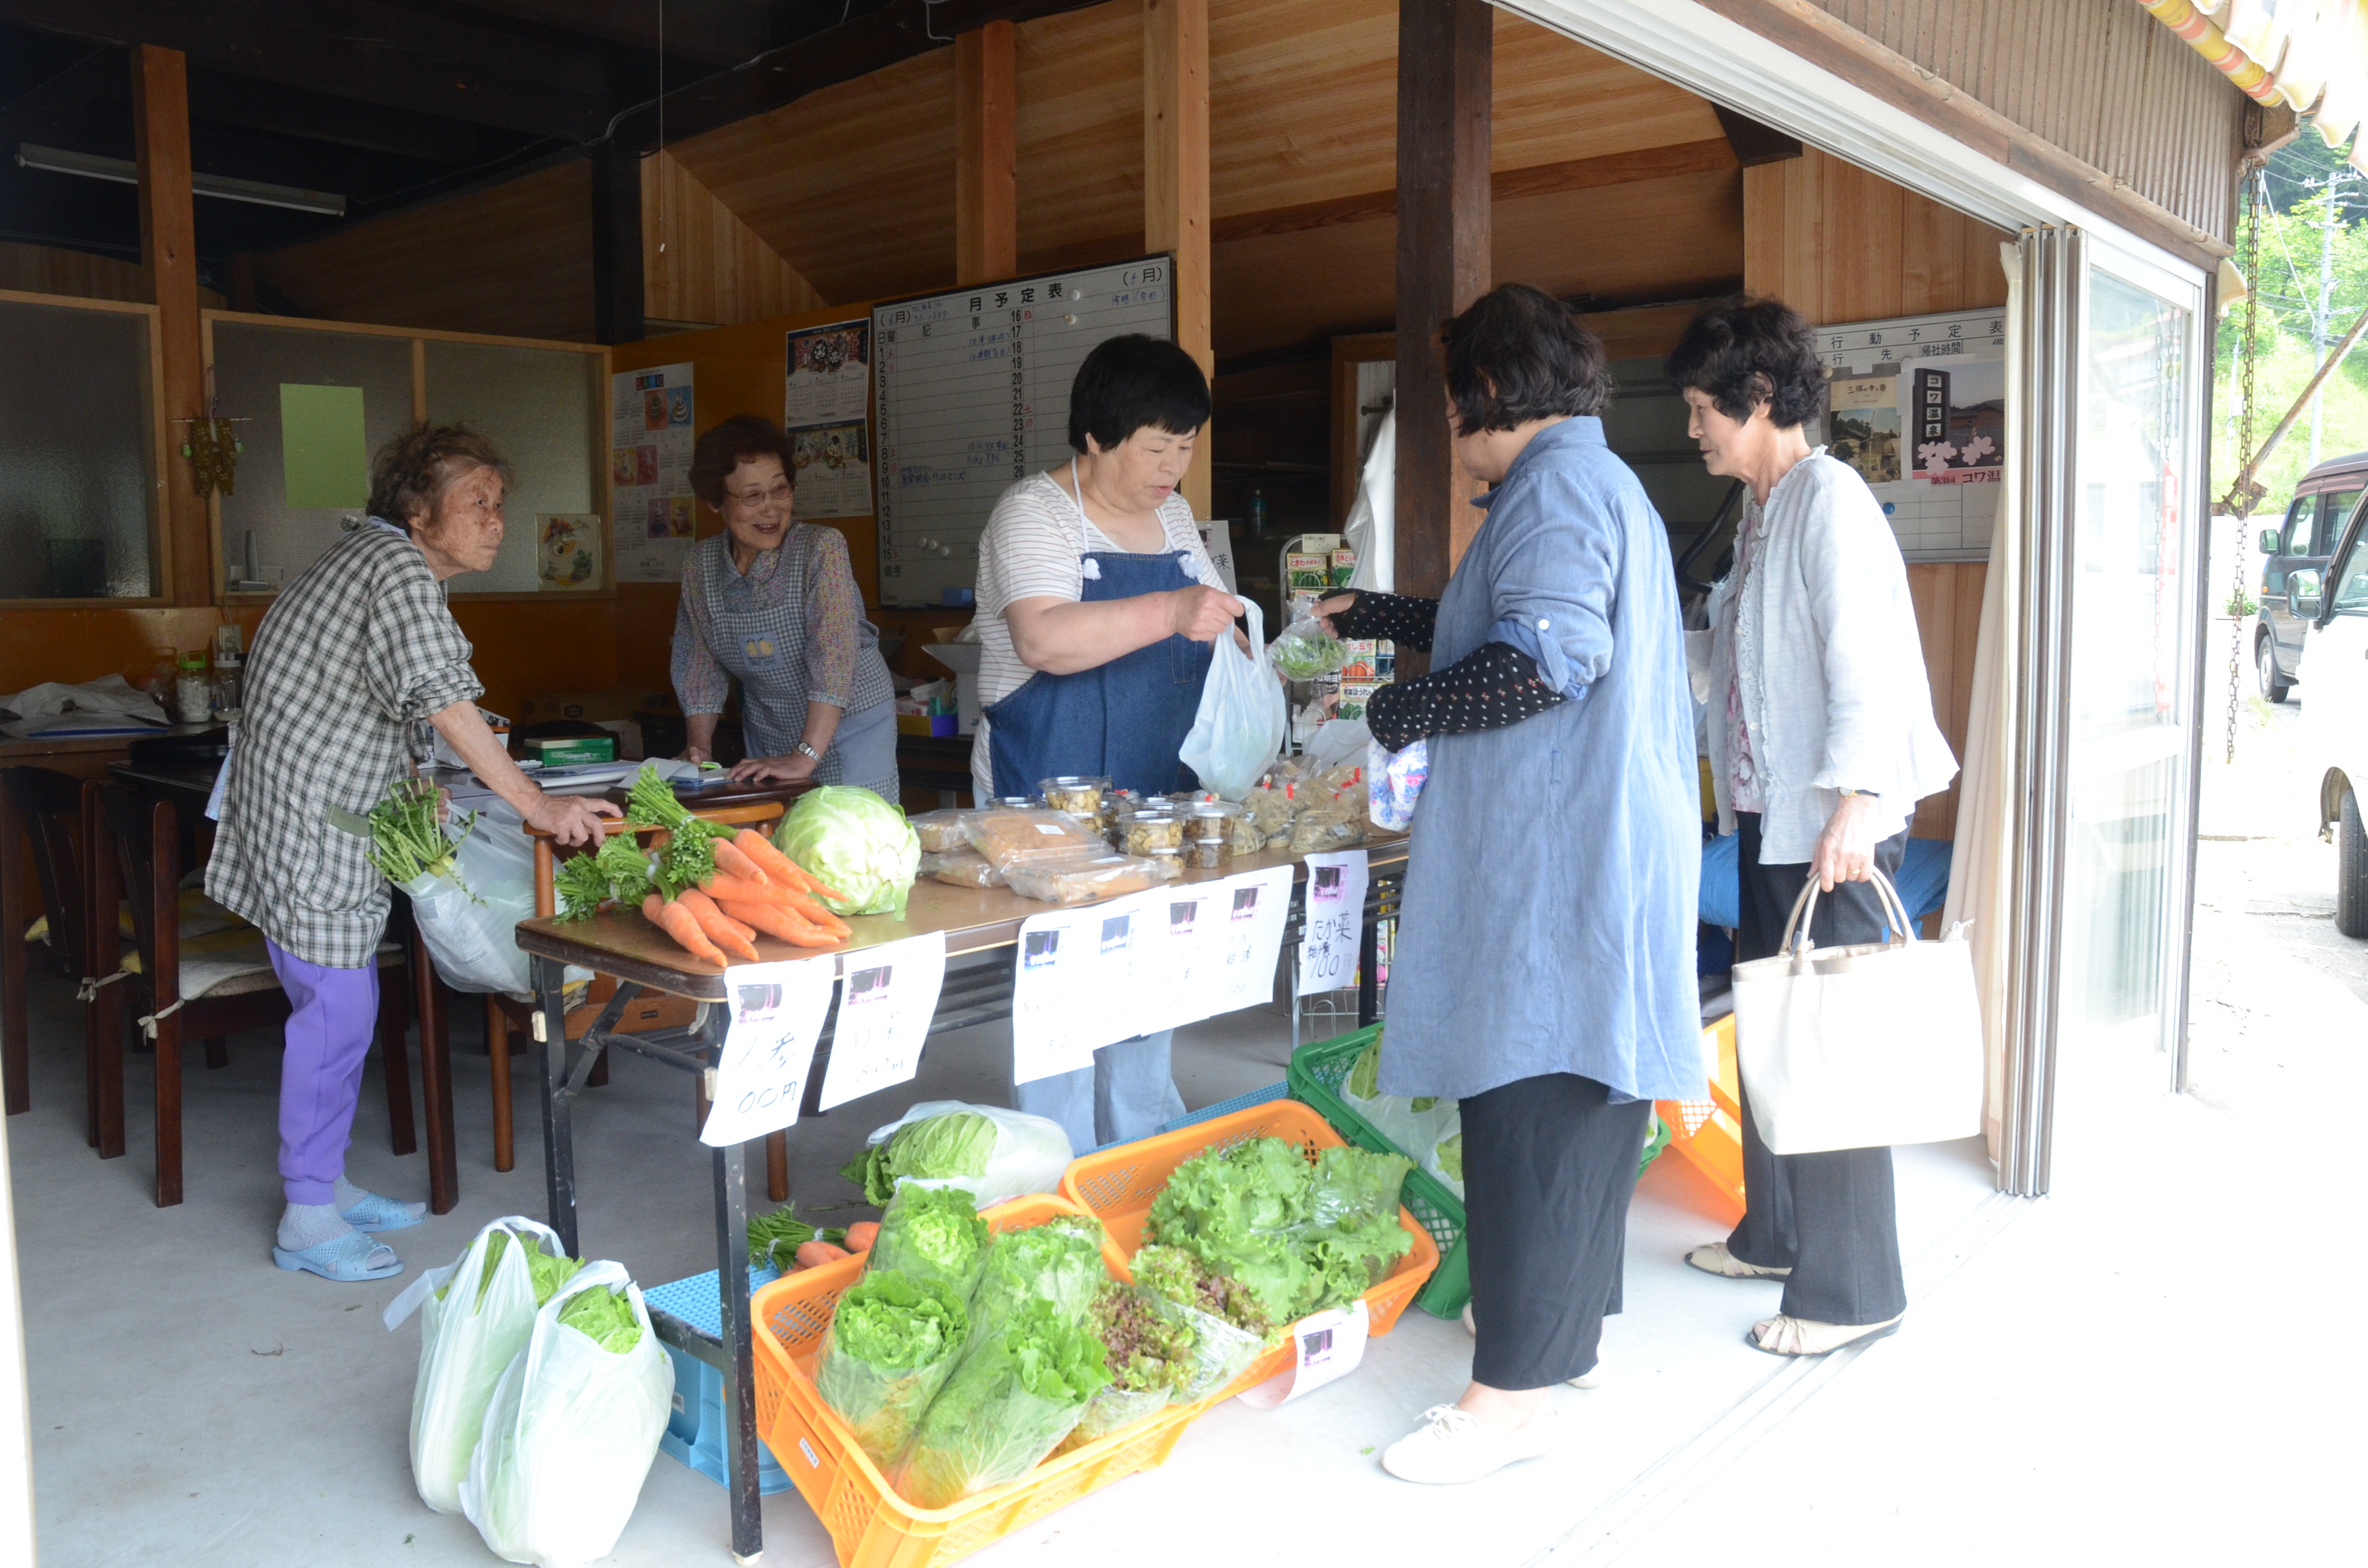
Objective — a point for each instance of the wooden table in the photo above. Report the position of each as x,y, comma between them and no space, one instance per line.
979,926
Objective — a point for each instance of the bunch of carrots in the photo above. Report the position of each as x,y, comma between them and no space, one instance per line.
711,888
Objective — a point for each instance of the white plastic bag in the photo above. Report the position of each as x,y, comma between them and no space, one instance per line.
467,1339
1443,1155
1030,1151
1240,725
569,1435
1339,741
474,940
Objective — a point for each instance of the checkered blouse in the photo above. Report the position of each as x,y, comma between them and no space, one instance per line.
353,658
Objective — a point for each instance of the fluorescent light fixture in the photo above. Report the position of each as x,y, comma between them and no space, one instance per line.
123,171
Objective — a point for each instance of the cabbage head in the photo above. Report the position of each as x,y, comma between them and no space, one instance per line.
853,841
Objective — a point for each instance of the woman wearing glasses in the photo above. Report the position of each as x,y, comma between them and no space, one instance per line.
774,603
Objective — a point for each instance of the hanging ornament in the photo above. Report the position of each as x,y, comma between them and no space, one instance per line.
212,449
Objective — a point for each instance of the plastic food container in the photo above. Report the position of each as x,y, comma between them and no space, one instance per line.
940,830
1085,880
1074,793
962,868
1150,830
1024,835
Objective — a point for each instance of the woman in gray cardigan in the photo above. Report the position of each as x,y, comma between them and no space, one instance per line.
1821,743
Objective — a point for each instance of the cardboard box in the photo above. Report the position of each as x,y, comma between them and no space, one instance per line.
562,751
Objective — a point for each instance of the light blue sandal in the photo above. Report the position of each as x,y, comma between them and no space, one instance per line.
349,1259
375,1214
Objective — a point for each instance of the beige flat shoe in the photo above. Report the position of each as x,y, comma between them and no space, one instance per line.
1452,1447
1713,1258
1799,1336
1587,1379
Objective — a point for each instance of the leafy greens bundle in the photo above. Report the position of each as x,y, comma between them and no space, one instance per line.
1297,1237
606,1315
1014,1396
1059,1261
956,1145
1228,1325
890,1345
932,1233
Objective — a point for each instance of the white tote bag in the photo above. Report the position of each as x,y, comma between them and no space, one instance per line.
1862,1046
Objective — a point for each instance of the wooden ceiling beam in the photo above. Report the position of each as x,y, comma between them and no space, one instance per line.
372,52
1505,184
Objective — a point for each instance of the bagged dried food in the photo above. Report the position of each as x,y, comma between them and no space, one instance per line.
962,868
1150,830
1085,880
940,830
1314,832
1009,837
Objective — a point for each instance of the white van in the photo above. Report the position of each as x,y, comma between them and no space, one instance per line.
2330,605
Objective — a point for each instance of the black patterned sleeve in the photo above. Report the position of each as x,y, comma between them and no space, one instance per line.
1493,686
1402,619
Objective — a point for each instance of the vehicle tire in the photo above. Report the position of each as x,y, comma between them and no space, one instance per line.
2265,663
2351,869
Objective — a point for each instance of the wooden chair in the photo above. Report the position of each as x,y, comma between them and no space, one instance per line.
136,844
41,808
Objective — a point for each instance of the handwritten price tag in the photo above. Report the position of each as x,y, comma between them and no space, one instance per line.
1336,918
777,1013
883,1017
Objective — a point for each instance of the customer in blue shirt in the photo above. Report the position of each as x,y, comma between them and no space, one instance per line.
1545,976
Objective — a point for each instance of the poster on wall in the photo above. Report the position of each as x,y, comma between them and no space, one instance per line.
650,414
829,374
834,470
567,550
1918,405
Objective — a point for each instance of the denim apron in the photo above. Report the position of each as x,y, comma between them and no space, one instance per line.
1125,721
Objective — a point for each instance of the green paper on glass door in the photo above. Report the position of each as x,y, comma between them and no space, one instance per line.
322,444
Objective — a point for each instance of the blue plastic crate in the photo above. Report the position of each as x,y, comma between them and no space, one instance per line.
695,1432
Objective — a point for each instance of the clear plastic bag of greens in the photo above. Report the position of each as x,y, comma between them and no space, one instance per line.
1183,1291
932,1233
1305,651
478,1312
890,1345
1059,1261
1016,1395
1115,1408
1351,1185
1444,1156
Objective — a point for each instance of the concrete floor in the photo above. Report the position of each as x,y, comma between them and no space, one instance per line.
2076,1381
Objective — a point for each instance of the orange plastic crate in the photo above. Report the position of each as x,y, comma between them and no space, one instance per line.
1118,1183
1709,1133
869,1525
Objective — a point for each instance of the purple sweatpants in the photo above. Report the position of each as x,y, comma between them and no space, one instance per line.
334,1019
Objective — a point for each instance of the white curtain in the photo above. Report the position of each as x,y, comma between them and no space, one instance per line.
1981,867
1371,529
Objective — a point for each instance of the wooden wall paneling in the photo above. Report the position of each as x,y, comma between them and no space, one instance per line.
1841,244
47,269
1079,135
512,260
987,168
1948,601
168,249
1862,213
1176,182
700,265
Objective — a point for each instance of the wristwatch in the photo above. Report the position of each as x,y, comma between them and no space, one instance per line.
805,750
1847,792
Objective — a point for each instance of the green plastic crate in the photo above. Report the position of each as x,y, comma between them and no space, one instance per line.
1317,1071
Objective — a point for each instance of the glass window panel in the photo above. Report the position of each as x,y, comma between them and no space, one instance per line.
251,363
77,454
2298,523
2334,511
538,405
2349,581
2131,642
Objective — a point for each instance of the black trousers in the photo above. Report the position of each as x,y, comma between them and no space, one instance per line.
1549,1165
1829,1217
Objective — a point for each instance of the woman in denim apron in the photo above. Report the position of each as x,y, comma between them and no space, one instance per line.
1096,597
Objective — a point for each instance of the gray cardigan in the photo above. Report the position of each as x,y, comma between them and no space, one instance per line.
1823,636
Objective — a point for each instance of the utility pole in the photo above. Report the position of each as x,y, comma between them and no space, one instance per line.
2319,317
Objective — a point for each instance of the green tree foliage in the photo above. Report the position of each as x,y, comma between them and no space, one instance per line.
2286,273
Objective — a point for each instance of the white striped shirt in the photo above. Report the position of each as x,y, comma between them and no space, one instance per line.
1033,547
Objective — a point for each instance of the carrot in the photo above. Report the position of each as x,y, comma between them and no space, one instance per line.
725,884
733,861
813,910
811,1254
683,926
775,920
725,932
780,866
859,1236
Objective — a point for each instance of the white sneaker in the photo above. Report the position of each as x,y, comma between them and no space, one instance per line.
1453,1448
1586,1380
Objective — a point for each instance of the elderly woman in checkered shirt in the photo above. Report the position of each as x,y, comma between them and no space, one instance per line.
357,660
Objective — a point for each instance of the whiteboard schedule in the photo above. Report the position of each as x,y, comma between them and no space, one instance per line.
972,390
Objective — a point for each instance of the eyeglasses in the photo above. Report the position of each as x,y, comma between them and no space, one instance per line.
779,496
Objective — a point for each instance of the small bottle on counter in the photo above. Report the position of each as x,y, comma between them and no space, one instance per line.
1257,511
193,694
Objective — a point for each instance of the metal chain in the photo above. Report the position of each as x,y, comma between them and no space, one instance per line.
2253,189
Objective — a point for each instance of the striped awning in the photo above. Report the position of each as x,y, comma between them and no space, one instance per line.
2309,54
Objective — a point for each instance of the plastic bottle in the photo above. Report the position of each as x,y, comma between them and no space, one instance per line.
1258,512
193,694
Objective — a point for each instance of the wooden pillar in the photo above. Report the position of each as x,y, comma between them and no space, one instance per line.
169,247
1176,184
617,283
986,161
1442,267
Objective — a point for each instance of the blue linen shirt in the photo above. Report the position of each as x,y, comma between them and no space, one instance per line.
1548,923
